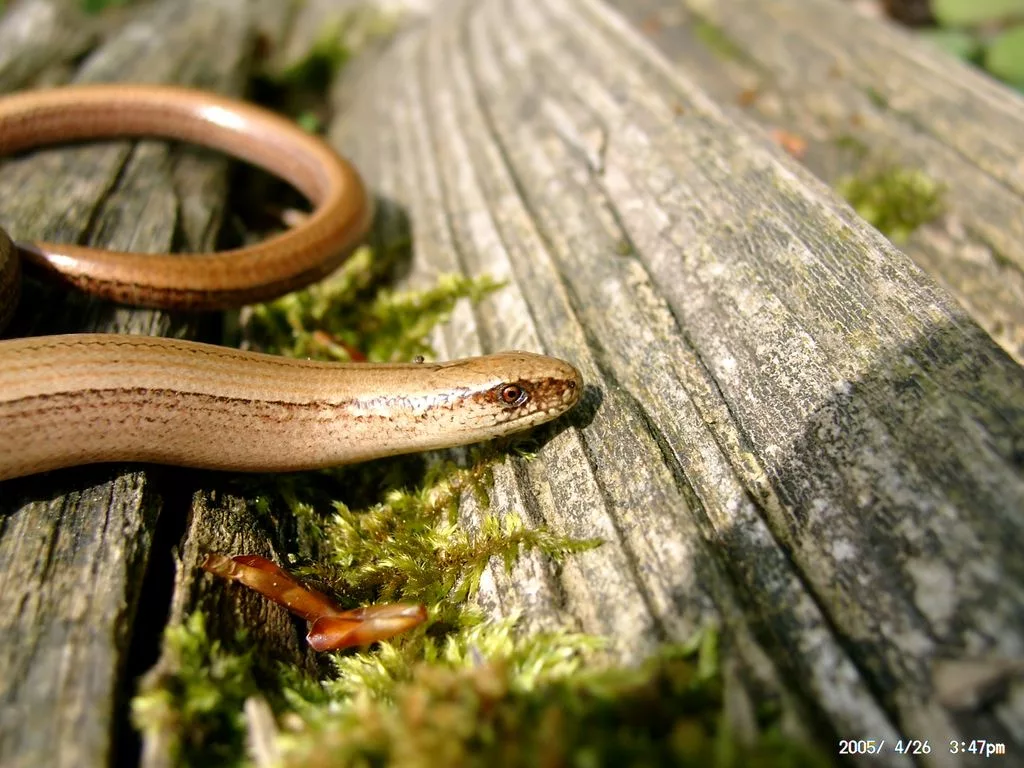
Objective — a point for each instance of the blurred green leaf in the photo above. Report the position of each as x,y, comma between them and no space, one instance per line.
1005,56
98,6
956,42
969,13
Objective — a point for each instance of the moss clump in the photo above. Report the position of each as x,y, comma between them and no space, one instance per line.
192,703
337,41
321,63
718,42
298,86
409,546
96,6
467,709
895,200
346,317
487,695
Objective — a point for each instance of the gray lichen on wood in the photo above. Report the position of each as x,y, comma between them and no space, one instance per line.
860,93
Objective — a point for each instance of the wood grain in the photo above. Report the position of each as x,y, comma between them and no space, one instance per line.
829,446
865,95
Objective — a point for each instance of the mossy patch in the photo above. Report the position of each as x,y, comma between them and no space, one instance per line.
470,708
895,200
349,317
195,709
321,63
484,696
96,6
338,39
297,86
409,545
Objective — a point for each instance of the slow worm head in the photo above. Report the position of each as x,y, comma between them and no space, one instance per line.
87,398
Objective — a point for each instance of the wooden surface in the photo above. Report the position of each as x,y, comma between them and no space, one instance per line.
862,93
789,427
798,431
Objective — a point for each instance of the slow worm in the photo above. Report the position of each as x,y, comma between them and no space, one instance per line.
79,399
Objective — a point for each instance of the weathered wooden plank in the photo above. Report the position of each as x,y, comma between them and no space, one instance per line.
273,22
796,429
863,93
74,547
315,23
38,38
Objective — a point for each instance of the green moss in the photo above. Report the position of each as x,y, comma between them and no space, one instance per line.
483,696
347,316
895,200
409,545
338,40
299,85
489,707
97,6
322,61
192,704
718,42
530,660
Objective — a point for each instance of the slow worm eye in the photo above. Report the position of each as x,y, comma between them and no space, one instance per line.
512,395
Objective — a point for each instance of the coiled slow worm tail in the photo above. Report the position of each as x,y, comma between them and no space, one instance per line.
68,400
342,214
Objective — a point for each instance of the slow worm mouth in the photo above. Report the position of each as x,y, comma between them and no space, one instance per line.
560,395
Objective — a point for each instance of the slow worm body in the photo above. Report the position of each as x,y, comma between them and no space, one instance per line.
78,399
